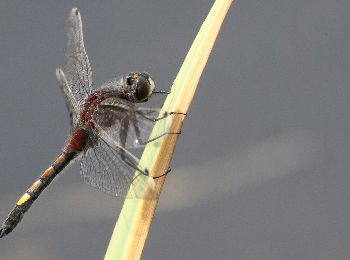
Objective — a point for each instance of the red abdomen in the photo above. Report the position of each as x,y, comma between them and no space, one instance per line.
77,142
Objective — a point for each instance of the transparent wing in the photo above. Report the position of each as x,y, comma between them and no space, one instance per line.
129,125
77,67
70,100
109,168
142,123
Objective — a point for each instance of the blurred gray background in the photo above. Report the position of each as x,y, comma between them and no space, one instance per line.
261,170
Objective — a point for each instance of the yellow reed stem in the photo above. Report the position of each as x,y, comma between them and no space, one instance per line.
135,219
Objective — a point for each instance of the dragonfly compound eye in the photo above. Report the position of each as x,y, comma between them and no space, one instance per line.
143,85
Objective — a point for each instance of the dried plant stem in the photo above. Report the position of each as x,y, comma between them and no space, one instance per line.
135,219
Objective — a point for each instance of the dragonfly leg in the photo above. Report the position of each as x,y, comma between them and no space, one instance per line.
140,141
154,177
165,115
160,176
160,136
177,113
129,161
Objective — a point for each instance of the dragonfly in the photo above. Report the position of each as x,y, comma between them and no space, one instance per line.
106,125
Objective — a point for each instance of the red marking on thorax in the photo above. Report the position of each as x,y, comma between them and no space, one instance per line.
77,142
91,105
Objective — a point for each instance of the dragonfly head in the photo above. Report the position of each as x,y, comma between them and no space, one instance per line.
141,84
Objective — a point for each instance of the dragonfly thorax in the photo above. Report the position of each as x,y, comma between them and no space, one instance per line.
91,105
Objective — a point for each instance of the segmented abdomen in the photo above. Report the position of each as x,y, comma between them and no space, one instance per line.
75,145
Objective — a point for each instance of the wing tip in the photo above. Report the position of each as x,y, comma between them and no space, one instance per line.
58,72
74,16
61,77
75,11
